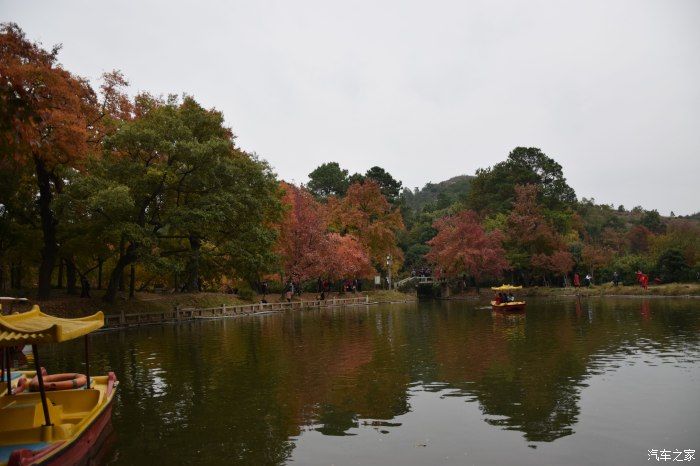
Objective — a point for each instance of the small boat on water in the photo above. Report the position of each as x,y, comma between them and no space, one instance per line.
45,419
507,306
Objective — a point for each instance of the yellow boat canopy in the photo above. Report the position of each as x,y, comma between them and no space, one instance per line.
36,327
506,288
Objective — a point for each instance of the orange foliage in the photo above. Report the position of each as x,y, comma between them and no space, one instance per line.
302,243
365,213
595,256
638,238
559,262
51,112
527,226
347,258
308,250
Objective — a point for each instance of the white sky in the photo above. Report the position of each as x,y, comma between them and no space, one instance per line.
427,90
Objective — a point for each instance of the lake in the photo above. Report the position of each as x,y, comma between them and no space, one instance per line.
590,381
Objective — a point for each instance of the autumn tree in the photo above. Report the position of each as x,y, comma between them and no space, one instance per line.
347,258
47,120
559,263
594,257
462,246
303,244
638,239
365,213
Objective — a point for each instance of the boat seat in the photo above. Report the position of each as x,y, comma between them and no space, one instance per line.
24,411
75,402
18,415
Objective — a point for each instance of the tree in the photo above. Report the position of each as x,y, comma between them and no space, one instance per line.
559,263
528,232
594,257
328,179
493,189
47,120
220,203
365,213
653,222
638,239
303,244
683,235
347,258
173,193
462,246
390,188
672,265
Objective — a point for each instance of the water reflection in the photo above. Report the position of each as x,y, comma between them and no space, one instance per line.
248,390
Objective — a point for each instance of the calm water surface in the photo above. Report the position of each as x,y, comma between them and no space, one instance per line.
598,381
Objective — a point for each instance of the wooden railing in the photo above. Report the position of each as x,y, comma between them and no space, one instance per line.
182,314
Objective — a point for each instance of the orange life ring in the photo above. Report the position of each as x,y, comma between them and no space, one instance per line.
59,382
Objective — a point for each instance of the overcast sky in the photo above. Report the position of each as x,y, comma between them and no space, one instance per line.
427,90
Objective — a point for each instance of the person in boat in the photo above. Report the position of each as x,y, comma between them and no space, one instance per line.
497,298
511,298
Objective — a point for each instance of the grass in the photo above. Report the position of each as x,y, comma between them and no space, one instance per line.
65,305
669,289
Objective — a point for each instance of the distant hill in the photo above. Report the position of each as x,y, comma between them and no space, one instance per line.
438,195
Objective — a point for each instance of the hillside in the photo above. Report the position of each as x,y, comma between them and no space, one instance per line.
438,195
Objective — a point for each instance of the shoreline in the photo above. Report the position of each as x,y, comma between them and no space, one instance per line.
671,290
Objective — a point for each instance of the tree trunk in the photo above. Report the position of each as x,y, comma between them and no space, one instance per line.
49,249
71,278
192,283
59,279
16,276
132,281
121,254
99,273
117,275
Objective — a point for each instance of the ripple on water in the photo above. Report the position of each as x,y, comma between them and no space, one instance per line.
373,383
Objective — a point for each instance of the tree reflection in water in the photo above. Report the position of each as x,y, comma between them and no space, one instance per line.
243,389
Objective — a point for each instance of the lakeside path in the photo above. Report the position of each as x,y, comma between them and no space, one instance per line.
678,290
64,305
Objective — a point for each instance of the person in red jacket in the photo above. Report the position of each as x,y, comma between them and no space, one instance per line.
643,279
577,280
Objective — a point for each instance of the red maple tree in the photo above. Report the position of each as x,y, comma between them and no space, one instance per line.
462,246
303,244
